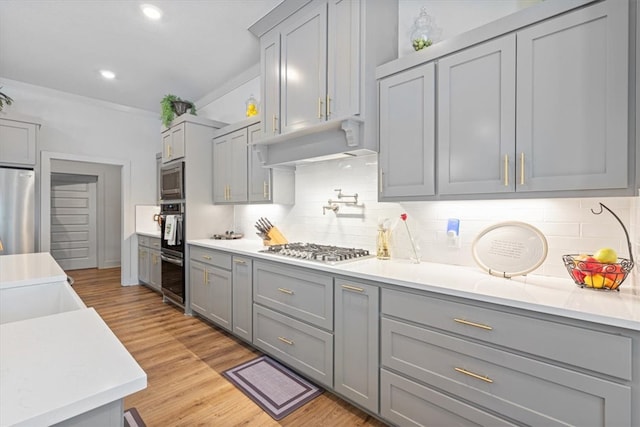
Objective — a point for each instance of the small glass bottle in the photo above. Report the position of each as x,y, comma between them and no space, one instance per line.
422,36
382,243
252,106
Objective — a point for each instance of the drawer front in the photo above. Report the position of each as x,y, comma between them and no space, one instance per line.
543,338
407,403
523,389
143,240
307,349
154,242
207,256
302,294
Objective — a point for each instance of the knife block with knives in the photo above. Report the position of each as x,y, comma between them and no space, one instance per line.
269,233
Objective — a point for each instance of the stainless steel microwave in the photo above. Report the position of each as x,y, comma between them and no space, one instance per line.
172,181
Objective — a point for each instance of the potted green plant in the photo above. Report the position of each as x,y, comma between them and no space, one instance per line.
4,99
172,105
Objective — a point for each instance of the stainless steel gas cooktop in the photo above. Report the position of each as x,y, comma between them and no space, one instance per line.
314,252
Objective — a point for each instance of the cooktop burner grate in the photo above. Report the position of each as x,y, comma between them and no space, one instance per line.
314,252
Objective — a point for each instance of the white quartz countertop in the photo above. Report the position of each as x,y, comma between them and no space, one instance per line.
56,367
29,269
557,296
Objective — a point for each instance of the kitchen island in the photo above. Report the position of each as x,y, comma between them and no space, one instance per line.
60,362
420,344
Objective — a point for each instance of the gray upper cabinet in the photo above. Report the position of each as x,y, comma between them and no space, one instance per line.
238,174
230,167
407,134
18,141
303,64
572,105
535,105
270,82
343,60
173,140
476,119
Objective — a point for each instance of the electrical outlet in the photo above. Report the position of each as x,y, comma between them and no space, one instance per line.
453,233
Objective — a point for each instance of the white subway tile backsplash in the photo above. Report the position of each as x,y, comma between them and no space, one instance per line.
568,224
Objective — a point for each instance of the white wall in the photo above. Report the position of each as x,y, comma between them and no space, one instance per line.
78,128
568,224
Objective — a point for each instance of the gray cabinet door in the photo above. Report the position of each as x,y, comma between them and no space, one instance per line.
221,150
303,68
198,290
343,58
237,166
242,297
219,282
143,264
572,103
270,82
155,269
259,177
476,119
18,142
407,133
356,342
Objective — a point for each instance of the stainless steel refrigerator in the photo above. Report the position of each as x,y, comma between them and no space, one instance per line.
17,211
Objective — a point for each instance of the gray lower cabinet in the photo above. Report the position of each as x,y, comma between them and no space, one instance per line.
357,307
242,297
293,318
149,264
210,285
421,342
407,134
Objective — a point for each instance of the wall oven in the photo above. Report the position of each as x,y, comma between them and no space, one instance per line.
172,181
172,225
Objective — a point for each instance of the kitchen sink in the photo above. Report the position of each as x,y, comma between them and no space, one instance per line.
28,302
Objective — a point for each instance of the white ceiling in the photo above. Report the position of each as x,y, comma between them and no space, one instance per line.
195,48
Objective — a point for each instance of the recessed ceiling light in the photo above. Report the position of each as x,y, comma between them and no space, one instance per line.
152,12
109,75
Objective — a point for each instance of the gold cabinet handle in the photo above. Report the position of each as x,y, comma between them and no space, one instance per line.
286,291
320,108
240,261
352,288
206,276
206,257
170,154
477,325
286,341
506,170
521,168
328,106
265,189
380,178
474,375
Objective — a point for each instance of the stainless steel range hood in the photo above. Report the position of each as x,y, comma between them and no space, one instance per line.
332,139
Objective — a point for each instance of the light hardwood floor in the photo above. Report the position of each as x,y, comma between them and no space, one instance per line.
184,358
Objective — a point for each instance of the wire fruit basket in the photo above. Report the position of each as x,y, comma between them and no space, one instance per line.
586,271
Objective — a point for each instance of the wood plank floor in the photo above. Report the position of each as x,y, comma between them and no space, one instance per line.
184,358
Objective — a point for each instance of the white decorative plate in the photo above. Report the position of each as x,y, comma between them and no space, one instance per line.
510,249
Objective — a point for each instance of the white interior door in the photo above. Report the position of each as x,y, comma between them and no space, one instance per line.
73,221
